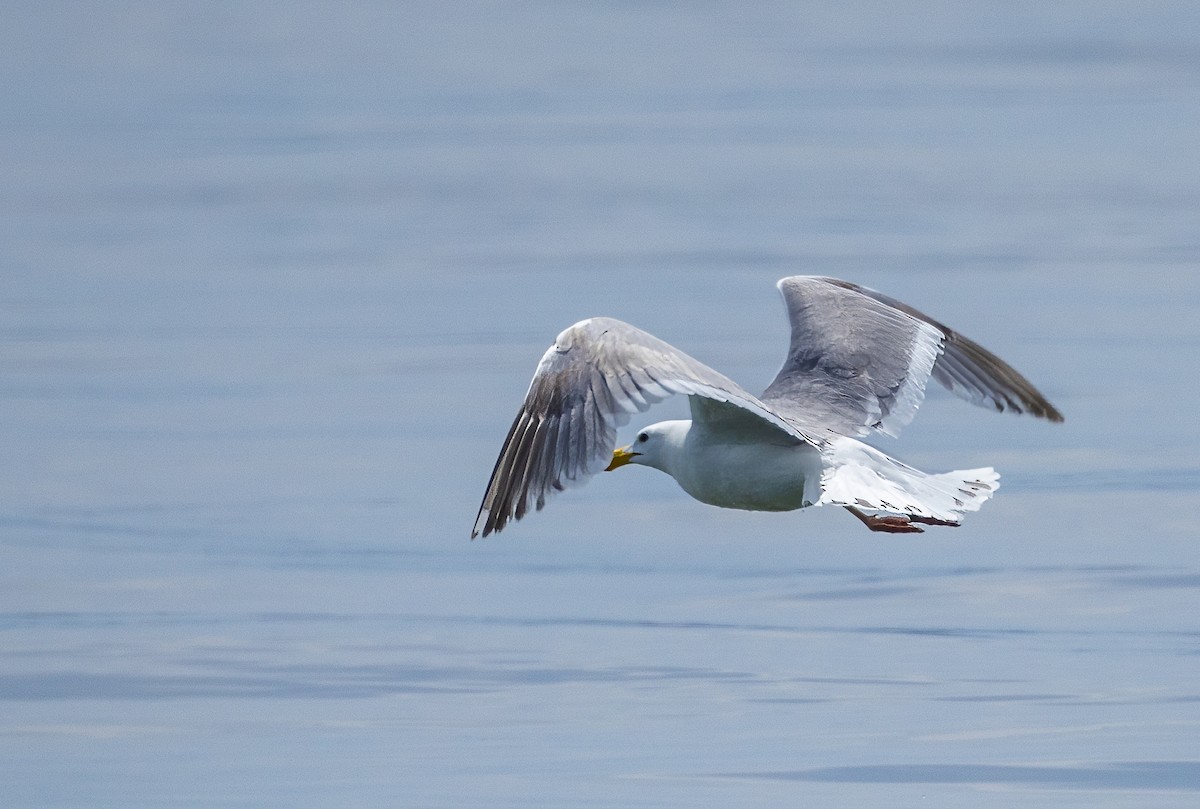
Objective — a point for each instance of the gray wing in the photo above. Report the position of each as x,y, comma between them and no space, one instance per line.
597,373
859,360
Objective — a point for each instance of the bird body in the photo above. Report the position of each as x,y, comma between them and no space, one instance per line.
729,469
857,364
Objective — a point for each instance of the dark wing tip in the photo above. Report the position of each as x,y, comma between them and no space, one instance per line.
1047,411
1008,389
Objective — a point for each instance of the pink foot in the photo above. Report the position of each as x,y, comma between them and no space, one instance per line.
889,524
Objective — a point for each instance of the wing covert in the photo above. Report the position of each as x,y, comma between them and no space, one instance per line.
854,364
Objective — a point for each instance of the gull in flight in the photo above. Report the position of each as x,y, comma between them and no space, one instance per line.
857,364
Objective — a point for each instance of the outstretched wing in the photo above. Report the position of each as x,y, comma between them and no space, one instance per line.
597,373
972,372
859,360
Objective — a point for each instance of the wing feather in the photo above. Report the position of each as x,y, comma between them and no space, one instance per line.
859,361
969,370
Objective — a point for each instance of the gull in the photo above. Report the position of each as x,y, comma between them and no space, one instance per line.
857,364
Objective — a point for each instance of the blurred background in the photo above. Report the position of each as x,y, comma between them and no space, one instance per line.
274,278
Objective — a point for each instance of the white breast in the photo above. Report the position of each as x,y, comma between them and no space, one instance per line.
750,476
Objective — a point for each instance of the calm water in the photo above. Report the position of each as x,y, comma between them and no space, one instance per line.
275,279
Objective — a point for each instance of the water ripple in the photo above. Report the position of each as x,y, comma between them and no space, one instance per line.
1125,775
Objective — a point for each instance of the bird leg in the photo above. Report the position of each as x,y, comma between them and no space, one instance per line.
889,524
897,524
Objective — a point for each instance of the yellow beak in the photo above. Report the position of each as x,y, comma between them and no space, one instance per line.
621,456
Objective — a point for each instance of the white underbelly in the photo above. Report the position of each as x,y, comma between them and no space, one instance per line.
753,477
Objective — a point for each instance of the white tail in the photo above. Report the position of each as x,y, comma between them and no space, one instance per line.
863,477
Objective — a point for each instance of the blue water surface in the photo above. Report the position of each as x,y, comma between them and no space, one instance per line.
275,277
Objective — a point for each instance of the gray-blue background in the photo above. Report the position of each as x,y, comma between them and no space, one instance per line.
273,279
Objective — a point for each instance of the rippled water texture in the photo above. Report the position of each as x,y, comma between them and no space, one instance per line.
275,278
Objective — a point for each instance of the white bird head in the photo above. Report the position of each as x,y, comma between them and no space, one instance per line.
652,446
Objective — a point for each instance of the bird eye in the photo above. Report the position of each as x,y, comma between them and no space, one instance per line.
643,438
